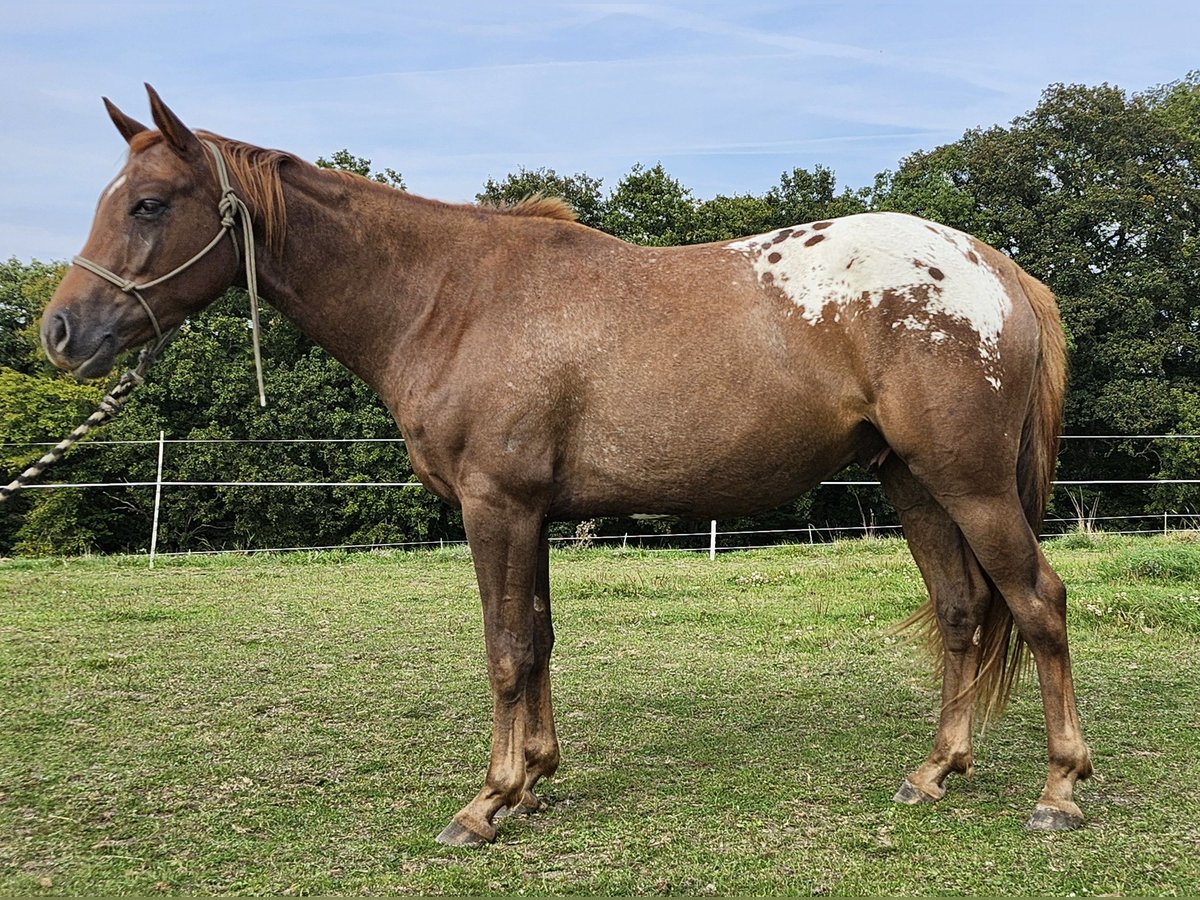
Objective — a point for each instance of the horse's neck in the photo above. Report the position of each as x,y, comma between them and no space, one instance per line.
359,266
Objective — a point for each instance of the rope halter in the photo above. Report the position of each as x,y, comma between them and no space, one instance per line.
231,207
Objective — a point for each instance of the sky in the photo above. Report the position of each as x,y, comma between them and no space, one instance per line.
726,96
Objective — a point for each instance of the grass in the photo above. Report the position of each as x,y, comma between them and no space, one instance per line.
307,723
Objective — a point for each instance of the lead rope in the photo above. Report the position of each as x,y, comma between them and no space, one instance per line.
109,407
231,207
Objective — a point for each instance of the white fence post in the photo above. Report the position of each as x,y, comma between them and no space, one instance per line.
157,498
712,541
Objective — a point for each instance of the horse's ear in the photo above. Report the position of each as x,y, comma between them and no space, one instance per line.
127,126
178,136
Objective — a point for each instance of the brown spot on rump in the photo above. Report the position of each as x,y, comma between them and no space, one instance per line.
972,257
853,260
783,235
897,303
774,257
815,239
768,277
937,274
765,246
919,264
820,225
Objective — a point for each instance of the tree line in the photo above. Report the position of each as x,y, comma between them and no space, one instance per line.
1096,191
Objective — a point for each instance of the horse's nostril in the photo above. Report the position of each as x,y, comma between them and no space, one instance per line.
60,332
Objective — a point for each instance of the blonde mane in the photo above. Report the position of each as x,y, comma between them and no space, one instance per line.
537,206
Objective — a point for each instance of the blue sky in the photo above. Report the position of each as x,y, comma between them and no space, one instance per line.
726,95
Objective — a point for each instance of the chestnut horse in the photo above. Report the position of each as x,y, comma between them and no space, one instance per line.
540,370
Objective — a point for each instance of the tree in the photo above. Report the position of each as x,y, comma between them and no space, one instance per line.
36,409
650,207
25,289
1095,191
346,161
724,218
804,196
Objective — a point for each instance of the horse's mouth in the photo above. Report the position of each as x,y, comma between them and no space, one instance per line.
99,363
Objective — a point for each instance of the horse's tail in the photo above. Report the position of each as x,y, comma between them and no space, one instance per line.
1043,420
1005,654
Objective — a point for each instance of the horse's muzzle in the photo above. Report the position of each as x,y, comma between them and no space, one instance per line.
84,352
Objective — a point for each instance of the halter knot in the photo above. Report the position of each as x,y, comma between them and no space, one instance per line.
228,208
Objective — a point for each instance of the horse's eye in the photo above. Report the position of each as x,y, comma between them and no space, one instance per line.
148,208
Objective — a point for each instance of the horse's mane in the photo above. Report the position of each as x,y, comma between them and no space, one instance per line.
256,170
537,206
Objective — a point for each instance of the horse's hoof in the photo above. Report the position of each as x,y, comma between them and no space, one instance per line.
912,795
1052,818
458,835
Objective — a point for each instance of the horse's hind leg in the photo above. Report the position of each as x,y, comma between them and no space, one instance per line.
1002,541
959,596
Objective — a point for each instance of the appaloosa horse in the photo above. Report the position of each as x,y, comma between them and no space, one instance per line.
540,370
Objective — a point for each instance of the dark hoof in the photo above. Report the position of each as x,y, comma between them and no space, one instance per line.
458,835
1051,818
912,795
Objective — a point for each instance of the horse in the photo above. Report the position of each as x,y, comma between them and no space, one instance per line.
541,371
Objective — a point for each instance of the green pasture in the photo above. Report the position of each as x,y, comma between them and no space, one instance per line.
307,723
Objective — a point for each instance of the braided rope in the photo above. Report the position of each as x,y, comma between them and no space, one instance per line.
231,207
109,408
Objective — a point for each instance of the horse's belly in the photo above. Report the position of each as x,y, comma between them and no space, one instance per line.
723,470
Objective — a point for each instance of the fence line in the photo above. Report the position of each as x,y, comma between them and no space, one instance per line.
400,440
392,484
712,533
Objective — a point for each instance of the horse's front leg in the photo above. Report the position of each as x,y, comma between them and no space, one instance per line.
505,539
541,737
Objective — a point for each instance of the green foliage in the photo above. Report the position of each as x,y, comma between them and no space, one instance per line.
37,408
203,390
33,410
1095,191
804,196
650,207
25,289
725,218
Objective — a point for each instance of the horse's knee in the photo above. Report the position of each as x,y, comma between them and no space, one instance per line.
509,670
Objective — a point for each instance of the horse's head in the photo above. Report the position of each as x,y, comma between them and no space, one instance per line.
155,217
